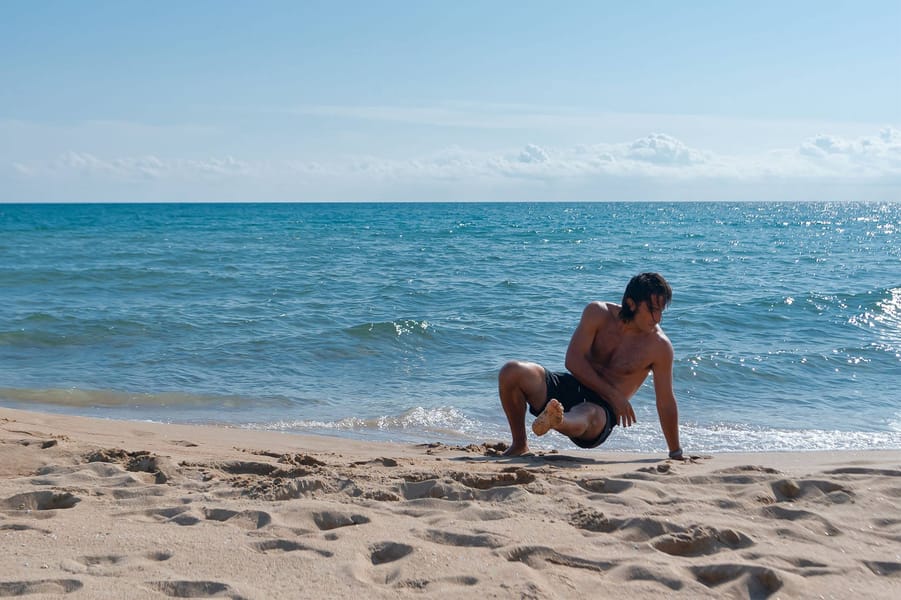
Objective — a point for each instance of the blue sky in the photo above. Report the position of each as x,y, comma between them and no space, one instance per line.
468,101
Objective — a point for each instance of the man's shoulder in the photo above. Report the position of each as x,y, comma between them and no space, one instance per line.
663,343
599,308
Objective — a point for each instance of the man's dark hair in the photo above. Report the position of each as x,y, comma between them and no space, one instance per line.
642,288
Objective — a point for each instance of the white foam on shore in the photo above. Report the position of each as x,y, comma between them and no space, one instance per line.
895,424
449,424
415,425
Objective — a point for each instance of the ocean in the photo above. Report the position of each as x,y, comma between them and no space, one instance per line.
390,321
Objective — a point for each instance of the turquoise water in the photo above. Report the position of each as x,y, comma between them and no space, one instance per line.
390,321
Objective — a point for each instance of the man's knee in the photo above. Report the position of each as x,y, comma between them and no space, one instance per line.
592,416
525,377
508,370
513,372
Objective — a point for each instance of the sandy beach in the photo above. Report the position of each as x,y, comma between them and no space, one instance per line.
113,509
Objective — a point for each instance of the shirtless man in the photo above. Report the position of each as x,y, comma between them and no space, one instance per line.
610,355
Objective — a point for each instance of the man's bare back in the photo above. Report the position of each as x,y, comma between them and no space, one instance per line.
611,353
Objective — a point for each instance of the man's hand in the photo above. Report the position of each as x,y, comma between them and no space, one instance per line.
625,415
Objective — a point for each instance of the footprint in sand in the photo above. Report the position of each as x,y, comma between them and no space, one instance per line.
386,552
245,467
550,417
44,444
185,516
758,469
605,486
886,527
827,491
653,574
140,461
798,565
195,589
306,520
516,476
288,458
700,540
21,527
115,559
104,478
812,521
865,471
746,581
884,569
449,538
107,560
461,511
269,546
590,519
180,515
537,557
245,519
39,501
40,586
495,487
632,529
327,520
136,494
279,489
434,488
110,564
384,462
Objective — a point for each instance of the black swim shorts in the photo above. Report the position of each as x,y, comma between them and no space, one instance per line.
569,392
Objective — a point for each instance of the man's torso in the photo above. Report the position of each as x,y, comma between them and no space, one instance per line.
622,358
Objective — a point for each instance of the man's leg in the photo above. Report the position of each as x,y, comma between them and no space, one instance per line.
583,421
520,385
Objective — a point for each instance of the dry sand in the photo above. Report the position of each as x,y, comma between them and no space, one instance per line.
112,509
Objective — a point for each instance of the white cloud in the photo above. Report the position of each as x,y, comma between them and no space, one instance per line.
869,157
579,124
533,154
885,146
824,145
658,159
137,167
660,148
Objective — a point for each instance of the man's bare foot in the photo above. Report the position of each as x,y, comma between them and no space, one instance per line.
514,451
550,417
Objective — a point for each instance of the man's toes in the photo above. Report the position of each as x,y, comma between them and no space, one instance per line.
550,417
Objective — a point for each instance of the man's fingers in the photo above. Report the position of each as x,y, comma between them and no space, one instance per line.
627,418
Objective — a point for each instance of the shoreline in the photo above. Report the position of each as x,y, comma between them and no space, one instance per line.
372,430
95,508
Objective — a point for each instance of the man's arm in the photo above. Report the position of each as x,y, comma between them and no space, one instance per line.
577,361
667,409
